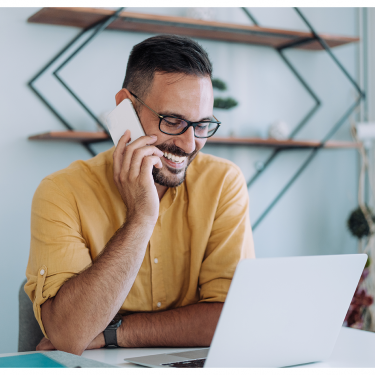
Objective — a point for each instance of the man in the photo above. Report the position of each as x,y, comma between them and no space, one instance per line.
134,230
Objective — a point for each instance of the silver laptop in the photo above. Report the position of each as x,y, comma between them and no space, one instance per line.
278,312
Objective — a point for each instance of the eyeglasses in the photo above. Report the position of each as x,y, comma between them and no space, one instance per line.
173,125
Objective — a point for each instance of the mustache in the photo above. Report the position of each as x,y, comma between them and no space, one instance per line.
173,149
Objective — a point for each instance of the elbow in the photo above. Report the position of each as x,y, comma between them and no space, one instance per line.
76,351
67,343
62,335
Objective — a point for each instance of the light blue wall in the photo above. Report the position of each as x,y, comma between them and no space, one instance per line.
310,218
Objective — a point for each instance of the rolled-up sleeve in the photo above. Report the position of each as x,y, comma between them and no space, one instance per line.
58,250
230,240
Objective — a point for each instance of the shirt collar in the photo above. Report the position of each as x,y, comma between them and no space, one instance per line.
168,199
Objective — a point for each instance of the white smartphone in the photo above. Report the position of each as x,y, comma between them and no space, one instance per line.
122,118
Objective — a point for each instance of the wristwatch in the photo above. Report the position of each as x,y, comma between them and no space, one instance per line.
110,333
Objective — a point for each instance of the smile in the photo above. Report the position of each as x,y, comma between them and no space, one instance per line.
174,158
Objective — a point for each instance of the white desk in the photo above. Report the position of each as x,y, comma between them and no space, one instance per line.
354,348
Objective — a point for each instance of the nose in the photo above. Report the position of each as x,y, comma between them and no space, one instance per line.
186,141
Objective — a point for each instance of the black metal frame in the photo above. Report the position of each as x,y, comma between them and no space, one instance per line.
99,29
309,114
100,26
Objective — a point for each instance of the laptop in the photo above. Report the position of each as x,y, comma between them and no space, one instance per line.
278,312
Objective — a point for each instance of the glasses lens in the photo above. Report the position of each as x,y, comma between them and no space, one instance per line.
205,129
172,125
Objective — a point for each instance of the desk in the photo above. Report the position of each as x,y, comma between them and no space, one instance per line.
354,348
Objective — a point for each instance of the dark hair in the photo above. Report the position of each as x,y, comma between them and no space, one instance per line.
165,54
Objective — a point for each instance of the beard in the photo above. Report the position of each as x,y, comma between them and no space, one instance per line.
161,176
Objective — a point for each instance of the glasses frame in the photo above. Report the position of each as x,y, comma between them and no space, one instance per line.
189,123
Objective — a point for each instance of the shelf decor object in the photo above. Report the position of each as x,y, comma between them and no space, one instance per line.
220,102
278,130
96,20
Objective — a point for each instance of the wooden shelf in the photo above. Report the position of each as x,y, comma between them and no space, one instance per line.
148,23
72,136
77,136
260,142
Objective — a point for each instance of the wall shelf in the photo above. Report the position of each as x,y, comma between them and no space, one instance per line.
261,142
92,137
149,23
95,20
71,136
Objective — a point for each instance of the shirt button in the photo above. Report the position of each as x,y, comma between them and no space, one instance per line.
156,260
41,272
158,304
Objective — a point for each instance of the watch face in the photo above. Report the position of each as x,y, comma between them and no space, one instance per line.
116,321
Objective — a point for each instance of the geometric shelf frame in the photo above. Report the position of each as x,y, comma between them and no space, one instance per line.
297,43
97,27
330,133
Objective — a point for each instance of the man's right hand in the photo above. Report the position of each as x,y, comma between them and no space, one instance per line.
132,173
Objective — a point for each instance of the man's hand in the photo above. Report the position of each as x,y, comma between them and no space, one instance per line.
132,173
97,343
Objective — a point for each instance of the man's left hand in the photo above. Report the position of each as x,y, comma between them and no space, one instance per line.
97,343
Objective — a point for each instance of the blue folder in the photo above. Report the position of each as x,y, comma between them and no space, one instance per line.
34,360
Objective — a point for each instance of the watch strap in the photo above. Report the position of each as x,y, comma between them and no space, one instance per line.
110,337
110,333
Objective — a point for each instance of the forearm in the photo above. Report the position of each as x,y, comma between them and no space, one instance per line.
85,304
192,325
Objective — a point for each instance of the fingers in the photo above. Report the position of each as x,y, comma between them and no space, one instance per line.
138,158
137,144
122,149
130,160
147,164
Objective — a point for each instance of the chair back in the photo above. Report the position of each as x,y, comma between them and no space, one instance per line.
29,334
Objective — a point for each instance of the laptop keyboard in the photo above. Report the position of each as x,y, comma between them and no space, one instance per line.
191,363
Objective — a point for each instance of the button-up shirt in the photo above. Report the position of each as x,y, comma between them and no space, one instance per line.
202,231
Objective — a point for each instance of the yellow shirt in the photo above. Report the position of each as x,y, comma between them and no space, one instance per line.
203,230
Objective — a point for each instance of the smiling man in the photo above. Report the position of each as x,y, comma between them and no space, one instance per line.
148,233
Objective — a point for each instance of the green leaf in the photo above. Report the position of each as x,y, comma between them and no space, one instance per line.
218,84
225,103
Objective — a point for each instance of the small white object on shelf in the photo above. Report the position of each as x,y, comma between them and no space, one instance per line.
278,130
201,13
366,133
365,130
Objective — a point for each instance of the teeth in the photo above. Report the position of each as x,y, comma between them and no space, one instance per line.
174,158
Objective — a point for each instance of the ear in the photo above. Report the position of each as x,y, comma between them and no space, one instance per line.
123,94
